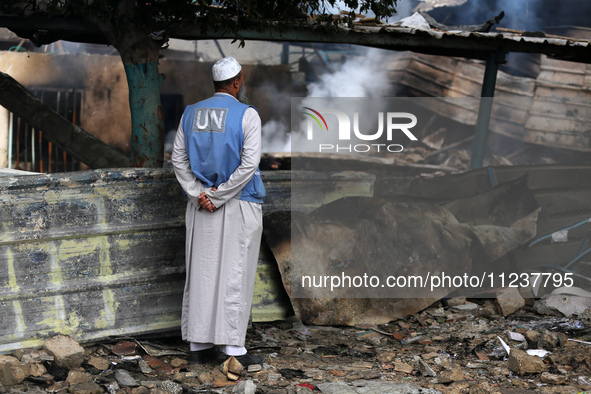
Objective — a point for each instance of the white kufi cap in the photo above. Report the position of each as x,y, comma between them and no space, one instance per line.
225,69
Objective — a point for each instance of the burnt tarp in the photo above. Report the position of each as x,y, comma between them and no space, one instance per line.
365,237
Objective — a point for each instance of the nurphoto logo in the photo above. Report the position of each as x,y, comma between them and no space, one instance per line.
395,122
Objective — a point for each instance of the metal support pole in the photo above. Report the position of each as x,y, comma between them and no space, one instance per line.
484,110
10,126
285,53
4,133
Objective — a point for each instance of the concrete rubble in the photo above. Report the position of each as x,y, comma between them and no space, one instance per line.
363,236
559,304
445,348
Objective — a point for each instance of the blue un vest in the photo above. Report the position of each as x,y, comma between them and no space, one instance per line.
214,140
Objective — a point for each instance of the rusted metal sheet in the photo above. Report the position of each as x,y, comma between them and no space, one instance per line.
100,253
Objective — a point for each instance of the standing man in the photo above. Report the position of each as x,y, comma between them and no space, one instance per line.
216,154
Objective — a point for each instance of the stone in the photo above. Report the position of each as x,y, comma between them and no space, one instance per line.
28,355
86,388
426,370
245,387
561,304
65,350
140,390
509,300
373,387
362,364
532,336
430,355
480,388
58,387
34,369
451,375
186,377
455,301
112,387
144,367
125,379
151,384
205,377
11,372
218,375
402,367
515,336
177,362
99,363
77,377
354,376
367,375
171,387
522,363
457,388
553,379
254,368
386,357
488,309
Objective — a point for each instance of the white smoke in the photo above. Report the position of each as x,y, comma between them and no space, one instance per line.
275,136
360,76
364,75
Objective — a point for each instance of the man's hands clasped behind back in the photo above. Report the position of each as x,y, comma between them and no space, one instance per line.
205,202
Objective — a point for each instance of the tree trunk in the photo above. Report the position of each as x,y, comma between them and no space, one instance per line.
69,137
147,122
139,51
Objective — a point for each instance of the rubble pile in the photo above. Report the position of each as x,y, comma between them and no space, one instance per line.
454,346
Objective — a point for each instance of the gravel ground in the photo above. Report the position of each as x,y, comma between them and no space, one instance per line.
451,349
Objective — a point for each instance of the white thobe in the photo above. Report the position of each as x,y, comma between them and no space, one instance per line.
222,247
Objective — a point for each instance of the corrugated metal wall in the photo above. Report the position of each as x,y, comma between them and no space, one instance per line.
99,253
89,254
